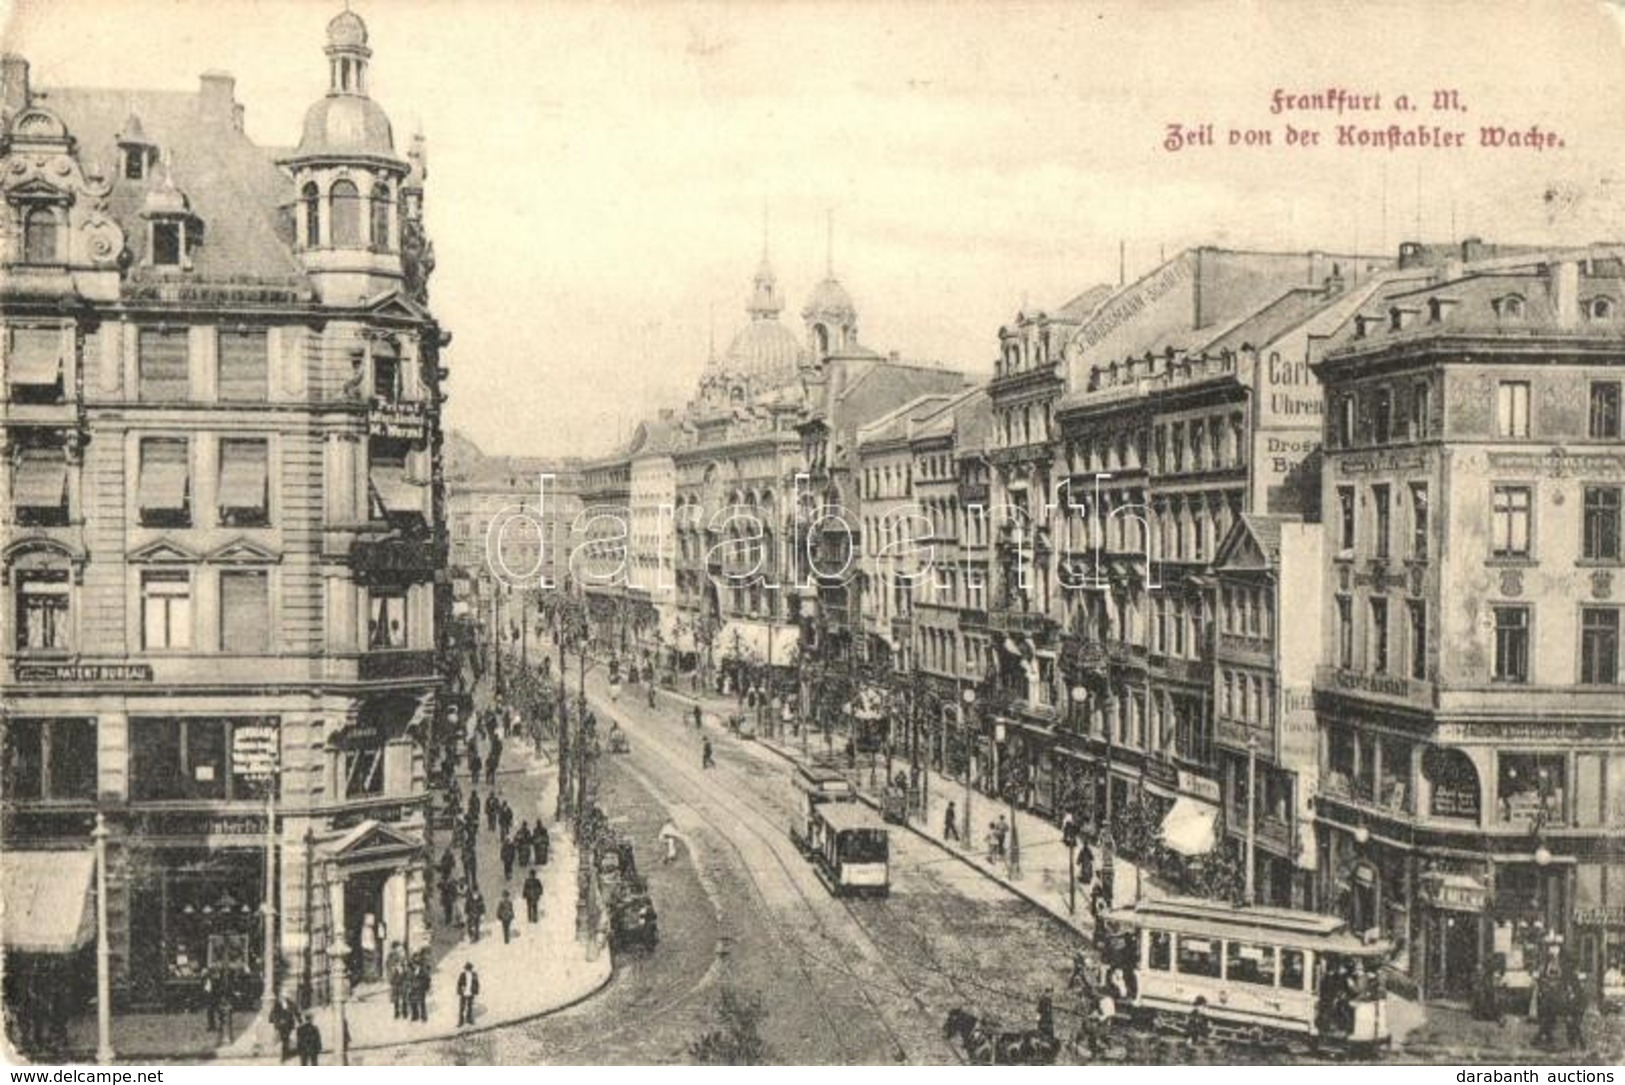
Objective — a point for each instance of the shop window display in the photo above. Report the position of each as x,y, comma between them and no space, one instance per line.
198,758
1531,788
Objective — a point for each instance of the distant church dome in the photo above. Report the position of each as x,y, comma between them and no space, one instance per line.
764,350
830,299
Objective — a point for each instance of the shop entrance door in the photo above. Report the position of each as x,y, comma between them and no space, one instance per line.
367,930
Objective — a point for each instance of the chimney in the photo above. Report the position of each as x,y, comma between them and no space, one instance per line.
1317,267
1473,248
237,116
13,84
217,97
1564,279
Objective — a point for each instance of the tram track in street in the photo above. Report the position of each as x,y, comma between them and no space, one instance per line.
773,843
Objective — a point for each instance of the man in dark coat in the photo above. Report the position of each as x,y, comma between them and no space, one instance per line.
309,1042
509,853
505,916
505,819
285,1019
1086,862
418,987
493,808
395,969
1046,1013
468,989
532,892
522,844
472,818
448,865
474,909
542,843
448,900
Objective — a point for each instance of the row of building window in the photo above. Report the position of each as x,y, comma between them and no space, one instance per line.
349,216
1512,413
1379,657
1382,506
44,623
172,759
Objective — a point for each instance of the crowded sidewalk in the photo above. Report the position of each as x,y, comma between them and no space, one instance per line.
542,969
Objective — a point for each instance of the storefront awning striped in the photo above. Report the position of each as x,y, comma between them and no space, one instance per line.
47,900
394,491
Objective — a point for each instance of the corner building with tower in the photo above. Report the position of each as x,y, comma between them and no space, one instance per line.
222,500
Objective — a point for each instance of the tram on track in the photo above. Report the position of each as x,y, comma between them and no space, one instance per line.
847,845
1257,974
854,856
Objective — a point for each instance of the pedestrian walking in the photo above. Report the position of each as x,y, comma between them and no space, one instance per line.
1574,1009
468,989
706,760
992,841
541,843
950,823
505,818
471,820
532,892
1086,862
1002,829
474,764
285,1019
448,900
309,1042
419,986
395,969
448,865
522,844
1046,1013
493,807
668,838
505,916
474,911
509,853
697,717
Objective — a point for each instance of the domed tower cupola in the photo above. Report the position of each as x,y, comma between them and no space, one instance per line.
348,180
347,53
765,303
830,317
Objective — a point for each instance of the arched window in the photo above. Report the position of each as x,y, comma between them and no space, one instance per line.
380,218
39,236
312,197
346,215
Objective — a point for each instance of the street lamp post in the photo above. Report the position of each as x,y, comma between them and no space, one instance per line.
1252,821
339,951
104,963
970,705
1080,697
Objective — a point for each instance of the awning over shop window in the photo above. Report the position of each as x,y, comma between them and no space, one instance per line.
1189,826
753,640
35,356
394,492
41,481
46,894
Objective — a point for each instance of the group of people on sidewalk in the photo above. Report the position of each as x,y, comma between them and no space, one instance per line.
1558,995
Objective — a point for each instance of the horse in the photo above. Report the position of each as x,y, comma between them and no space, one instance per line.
999,1047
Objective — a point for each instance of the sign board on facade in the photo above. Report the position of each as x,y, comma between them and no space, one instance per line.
254,751
1200,786
83,672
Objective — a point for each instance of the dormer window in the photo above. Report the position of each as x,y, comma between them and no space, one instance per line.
135,163
1360,328
1600,309
1509,307
1435,311
168,244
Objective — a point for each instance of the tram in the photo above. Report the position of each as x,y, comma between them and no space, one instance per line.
1257,974
814,788
854,854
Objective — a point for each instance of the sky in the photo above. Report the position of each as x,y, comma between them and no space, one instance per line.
601,176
